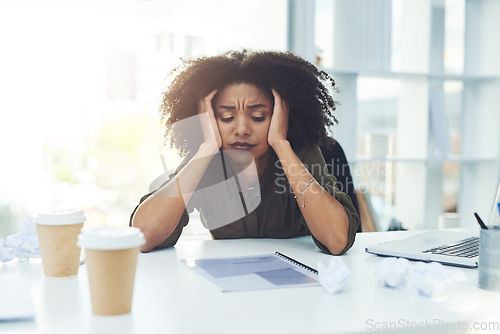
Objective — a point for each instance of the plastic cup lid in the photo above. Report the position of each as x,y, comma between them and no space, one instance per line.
61,217
110,238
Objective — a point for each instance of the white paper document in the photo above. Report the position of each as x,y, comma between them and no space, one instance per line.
254,272
15,299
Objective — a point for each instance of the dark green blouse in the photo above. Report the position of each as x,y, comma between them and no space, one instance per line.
231,212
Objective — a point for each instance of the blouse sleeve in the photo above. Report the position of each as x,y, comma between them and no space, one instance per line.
315,163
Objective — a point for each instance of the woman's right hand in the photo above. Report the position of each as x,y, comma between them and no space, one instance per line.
211,133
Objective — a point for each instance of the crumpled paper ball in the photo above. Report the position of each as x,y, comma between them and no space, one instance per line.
335,276
23,245
431,278
428,278
392,272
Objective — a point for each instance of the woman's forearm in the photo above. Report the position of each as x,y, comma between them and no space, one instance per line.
160,213
325,216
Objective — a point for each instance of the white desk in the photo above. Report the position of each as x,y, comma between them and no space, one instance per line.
169,297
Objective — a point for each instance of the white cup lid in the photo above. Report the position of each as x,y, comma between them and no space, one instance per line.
61,217
110,237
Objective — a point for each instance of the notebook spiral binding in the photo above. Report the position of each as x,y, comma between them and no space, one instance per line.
300,264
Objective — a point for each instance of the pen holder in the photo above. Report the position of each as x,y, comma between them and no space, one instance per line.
489,258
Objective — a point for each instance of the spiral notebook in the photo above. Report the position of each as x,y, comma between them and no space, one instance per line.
258,272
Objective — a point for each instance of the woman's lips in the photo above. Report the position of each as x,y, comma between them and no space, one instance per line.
241,146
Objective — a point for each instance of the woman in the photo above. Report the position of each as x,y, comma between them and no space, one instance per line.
249,125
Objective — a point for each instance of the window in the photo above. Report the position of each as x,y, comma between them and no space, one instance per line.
81,84
417,82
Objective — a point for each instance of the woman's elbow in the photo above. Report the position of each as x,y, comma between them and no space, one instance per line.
148,236
146,248
150,243
339,239
337,247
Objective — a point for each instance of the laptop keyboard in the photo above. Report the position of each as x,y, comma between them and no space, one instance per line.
464,248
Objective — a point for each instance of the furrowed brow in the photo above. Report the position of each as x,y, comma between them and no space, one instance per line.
256,106
226,107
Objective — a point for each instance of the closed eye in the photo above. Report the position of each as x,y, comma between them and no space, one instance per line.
258,119
227,119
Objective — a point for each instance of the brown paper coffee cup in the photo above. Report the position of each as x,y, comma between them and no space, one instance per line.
57,235
60,255
111,258
111,279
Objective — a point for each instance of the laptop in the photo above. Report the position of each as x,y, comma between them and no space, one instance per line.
443,246
446,247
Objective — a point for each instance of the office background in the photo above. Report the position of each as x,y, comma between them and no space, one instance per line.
419,93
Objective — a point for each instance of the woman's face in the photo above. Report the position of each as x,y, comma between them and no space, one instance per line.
243,114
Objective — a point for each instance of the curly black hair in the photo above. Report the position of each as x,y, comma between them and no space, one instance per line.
307,90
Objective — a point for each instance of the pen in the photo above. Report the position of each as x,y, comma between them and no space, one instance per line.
498,205
480,221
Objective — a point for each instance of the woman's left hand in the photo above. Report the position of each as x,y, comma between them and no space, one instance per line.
279,121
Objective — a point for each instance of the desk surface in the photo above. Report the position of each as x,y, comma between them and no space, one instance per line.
170,297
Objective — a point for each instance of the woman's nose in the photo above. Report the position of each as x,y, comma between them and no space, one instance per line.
242,127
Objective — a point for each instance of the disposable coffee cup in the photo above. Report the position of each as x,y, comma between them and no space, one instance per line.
489,258
57,235
111,258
